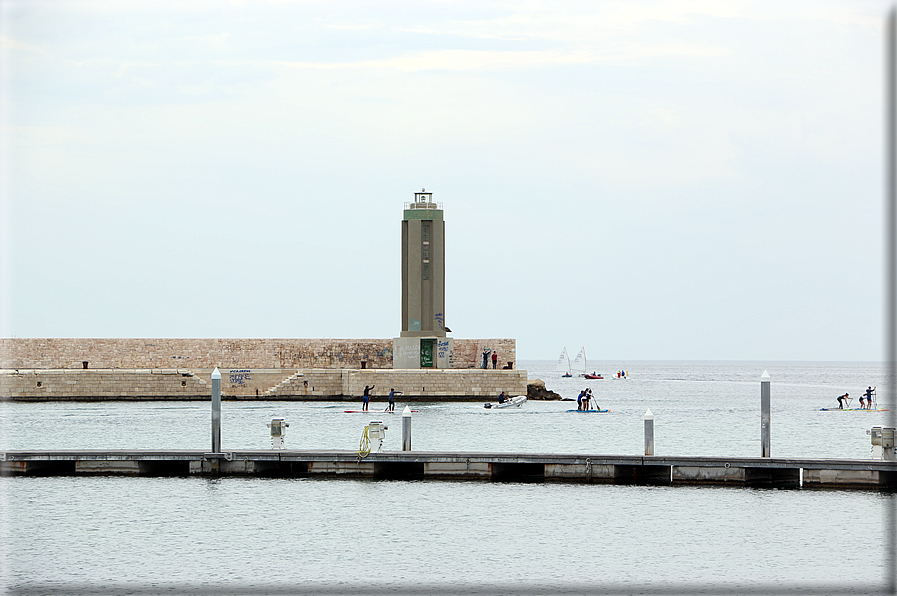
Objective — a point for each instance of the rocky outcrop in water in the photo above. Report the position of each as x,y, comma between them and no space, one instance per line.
535,389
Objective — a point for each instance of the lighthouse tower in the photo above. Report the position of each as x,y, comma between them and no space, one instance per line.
423,342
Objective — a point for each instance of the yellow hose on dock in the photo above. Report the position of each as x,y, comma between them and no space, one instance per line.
365,447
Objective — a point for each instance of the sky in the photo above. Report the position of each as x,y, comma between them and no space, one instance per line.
672,180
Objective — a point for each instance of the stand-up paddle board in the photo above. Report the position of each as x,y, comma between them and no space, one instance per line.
589,411
374,411
853,410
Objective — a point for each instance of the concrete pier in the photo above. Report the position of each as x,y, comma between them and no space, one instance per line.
609,469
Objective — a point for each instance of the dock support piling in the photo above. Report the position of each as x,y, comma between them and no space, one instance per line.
764,414
649,433
406,429
891,254
216,411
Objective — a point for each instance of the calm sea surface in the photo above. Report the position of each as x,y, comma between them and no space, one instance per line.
234,535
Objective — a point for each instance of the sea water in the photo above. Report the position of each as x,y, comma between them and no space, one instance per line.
252,535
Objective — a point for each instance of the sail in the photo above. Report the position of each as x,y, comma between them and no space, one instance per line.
563,362
579,363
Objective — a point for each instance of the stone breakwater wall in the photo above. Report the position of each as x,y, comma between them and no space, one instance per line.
198,354
100,385
458,384
268,384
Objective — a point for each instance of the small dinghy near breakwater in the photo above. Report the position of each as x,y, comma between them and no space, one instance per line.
511,402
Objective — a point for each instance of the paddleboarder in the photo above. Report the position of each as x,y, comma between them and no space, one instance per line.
844,397
392,400
869,393
366,397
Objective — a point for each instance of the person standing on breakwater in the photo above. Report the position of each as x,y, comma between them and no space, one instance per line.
485,357
366,397
494,359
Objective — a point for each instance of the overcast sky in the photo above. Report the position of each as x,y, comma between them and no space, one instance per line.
650,180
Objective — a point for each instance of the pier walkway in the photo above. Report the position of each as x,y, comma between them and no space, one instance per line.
584,468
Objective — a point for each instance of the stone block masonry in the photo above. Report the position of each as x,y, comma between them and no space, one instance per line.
436,384
469,352
316,369
304,384
102,385
194,353
198,354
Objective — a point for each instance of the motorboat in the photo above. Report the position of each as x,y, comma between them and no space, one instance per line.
511,402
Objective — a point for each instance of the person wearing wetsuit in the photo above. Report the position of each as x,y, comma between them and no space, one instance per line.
392,400
366,397
869,393
844,398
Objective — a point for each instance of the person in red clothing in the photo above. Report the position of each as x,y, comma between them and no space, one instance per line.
494,359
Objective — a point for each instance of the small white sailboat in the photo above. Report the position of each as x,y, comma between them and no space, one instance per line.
563,365
579,366
579,363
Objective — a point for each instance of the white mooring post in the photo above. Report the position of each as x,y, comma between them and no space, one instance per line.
764,414
406,429
216,411
649,433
